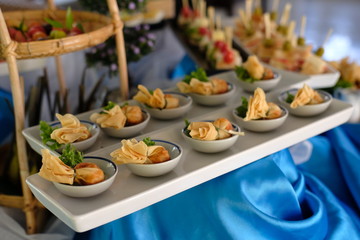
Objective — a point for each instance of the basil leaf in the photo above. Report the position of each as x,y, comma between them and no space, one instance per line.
53,23
69,19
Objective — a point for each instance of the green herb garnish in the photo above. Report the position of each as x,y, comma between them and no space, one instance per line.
289,98
108,107
125,104
70,156
148,141
241,110
53,23
199,74
45,135
244,75
186,131
341,83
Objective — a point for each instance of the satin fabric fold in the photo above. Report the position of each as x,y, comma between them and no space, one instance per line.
268,199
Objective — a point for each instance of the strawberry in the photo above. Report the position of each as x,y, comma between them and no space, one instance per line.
39,35
75,31
32,30
229,57
20,37
12,32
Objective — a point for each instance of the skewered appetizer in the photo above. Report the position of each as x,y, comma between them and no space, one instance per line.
114,116
140,152
304,96
258,108
72,130
69,168
198,82
156,99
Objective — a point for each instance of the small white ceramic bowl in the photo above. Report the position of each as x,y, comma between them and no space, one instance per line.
185,103
263,125
110,170
157,169
211,146
306,110
129,131
87,143
266,85
213,100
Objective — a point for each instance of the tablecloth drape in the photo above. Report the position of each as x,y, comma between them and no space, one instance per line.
271,198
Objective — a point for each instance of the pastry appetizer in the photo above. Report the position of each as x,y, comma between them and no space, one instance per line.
198,82
221,128
71,131
304,96
252,70
257,108
69,168
140,152
350,73
114,116
156,99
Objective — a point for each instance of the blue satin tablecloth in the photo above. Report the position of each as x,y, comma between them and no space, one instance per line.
271,198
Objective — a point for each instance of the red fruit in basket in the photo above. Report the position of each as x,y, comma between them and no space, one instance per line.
75,31
35,29
229,57
20,37
12,32
39,35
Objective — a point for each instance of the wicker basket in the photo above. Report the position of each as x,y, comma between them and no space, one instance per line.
97,29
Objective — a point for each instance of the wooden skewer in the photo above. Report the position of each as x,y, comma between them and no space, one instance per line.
248,6
267,26
290,32
211,15
286,14
229,36
185,3
275,5
327,36
303,25
218,22
244,19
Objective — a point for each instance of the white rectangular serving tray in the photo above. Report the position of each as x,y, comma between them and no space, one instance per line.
324,80
130,193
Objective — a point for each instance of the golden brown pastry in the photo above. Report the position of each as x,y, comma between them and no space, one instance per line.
131,151
88,173
203,131
158,154
113,118
171,101
53,169
219,86
71,131
254,67
133,114
203,88
257,107
222,124
274,111
306,95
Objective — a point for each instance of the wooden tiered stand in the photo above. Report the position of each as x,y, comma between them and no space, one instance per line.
98,28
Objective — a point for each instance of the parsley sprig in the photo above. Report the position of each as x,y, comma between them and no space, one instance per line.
186,131
148,141
45,134
108,107
289,98
70,156
244,75
199,74
241,110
